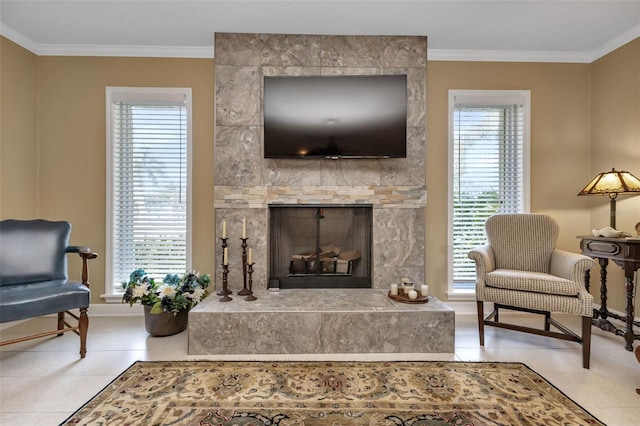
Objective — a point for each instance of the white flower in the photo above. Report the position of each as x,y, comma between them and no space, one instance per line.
198,293
166,290
139,291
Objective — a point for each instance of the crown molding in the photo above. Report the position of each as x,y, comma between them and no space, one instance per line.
18,38
507,56
616,42
204,52
40,49
207,52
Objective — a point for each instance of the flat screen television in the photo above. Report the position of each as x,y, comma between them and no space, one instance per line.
335,116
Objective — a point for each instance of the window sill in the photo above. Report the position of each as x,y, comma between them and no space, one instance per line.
112,298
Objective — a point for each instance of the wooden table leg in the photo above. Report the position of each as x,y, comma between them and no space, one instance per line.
629,336
603,312
638,358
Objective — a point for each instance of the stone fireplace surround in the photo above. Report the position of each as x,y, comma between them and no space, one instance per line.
246,183
317,321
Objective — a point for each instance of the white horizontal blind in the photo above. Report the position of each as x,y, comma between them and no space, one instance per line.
149,186
488,173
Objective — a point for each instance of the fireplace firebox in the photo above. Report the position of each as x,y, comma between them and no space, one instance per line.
320,246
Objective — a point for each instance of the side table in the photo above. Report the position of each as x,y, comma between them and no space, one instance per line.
624,252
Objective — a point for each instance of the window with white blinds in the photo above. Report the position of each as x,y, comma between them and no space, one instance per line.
149,182
489,170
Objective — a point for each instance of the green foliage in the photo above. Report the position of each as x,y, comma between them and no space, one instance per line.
174,294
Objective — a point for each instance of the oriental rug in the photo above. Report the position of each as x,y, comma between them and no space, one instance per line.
412,393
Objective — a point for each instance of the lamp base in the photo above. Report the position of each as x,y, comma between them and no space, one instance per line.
612,210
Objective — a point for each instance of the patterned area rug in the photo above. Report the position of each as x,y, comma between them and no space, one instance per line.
330,393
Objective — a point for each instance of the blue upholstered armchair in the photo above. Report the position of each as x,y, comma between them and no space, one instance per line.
521,269
34,280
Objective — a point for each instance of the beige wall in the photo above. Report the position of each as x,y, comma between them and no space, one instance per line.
615,142
559,144
584,116
18,131
72,151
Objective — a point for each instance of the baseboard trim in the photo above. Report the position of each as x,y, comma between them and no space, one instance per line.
6,325
462,307
95,310
469,308
115,310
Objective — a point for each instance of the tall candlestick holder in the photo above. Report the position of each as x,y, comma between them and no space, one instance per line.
245,291
250,297
224,290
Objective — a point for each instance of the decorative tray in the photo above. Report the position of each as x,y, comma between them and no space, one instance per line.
403,298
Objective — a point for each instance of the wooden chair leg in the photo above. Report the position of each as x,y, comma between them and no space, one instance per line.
547,321
586,341
638,358
480,305
83,323
60,322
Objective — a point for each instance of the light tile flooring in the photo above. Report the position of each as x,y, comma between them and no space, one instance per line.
43,381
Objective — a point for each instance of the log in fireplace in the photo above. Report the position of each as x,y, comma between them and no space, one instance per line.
320,246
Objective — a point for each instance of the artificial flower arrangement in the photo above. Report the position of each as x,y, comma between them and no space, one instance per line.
173,295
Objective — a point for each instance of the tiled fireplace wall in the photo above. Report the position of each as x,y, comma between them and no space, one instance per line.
246,183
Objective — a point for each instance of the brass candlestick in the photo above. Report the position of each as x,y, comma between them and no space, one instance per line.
224,290
250,297
245,291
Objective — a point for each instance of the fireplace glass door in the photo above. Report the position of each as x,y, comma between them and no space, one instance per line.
320,246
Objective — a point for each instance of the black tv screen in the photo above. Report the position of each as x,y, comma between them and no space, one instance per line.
335,116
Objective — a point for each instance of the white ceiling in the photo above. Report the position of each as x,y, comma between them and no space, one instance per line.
561,30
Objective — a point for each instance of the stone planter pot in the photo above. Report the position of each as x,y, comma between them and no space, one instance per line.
165,323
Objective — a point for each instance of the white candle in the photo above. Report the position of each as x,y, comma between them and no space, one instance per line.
424,290
224,229
250,257
244,227
413,294
225,257
394,289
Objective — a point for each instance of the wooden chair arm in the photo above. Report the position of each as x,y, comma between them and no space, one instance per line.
85,253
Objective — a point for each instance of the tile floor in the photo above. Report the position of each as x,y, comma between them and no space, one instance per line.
44,381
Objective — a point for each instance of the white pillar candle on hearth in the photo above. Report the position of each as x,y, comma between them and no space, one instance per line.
413,295
224,229
250,257
244,227
225,257
424,290
394,289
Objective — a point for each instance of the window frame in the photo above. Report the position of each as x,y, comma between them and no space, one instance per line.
113,292
484,98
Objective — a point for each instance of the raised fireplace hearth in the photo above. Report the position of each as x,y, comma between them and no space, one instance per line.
320,246
320,321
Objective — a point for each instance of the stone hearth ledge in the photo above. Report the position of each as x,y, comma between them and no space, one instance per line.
320,321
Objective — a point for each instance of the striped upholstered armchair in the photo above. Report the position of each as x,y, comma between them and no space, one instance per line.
520,269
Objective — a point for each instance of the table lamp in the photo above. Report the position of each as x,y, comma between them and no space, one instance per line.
612,183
